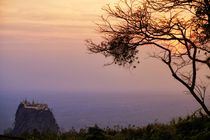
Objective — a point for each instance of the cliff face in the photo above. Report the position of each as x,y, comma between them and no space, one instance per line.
31,116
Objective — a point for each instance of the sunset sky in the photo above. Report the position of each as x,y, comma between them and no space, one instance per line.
42,48
43,57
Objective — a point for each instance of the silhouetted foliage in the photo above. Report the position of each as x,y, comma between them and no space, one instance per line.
8,137
195,127
95,133
179,30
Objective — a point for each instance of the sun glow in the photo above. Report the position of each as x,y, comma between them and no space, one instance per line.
38,18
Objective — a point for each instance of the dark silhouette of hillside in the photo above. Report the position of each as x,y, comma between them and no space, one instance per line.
195,127
34,117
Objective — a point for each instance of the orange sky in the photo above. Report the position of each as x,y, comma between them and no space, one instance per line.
42,48
52,18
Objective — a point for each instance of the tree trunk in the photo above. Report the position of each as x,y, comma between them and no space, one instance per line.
204,107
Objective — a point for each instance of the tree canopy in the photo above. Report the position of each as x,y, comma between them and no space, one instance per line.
180,30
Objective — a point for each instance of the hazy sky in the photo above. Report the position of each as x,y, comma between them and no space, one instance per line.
42,48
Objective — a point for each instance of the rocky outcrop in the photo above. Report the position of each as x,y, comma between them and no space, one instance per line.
34,116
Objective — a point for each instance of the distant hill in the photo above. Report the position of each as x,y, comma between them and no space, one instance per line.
32,117
194,127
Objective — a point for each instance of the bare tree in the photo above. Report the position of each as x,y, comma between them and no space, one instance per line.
180,30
